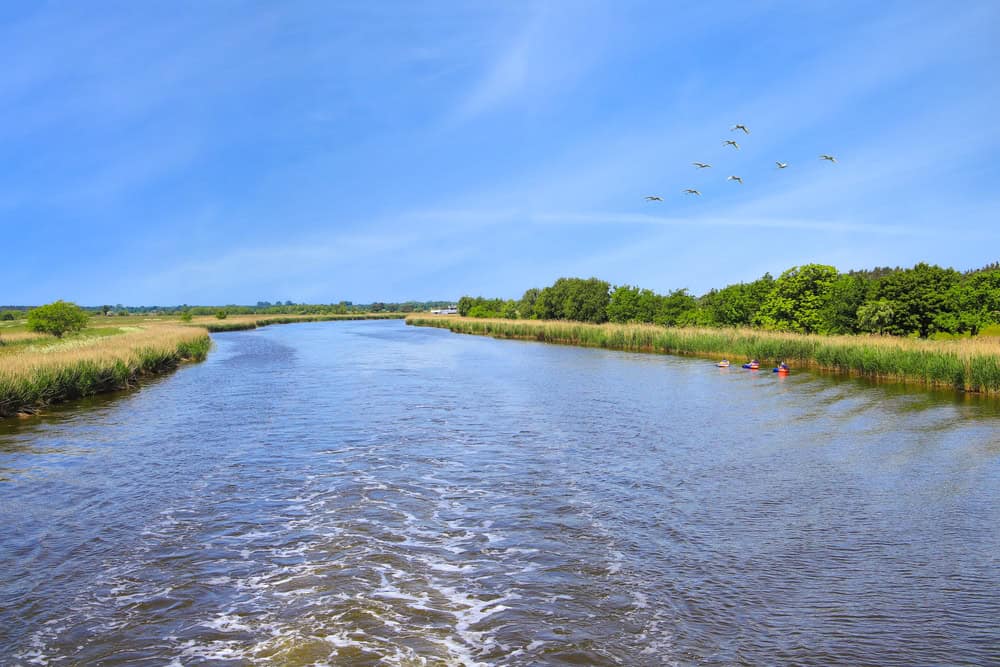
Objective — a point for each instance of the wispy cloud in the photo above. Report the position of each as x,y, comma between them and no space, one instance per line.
532,63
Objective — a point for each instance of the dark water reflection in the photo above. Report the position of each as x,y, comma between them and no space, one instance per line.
361,493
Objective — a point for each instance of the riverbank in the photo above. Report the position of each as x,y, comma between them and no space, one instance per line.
245,322
971,365
36,375
37,370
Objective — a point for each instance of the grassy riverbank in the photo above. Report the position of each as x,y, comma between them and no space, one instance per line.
38,369
966,364
42,372
244,322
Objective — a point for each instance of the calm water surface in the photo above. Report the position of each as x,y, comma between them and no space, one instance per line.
363,493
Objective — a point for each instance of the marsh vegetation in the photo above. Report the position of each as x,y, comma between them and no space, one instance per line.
968,364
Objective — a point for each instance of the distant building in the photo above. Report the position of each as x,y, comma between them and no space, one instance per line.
451,310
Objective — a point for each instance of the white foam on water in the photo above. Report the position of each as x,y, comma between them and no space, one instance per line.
617,561
227,623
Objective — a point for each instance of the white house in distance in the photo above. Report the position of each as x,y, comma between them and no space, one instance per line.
450,310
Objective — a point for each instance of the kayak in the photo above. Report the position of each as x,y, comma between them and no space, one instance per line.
723,364
751,366
782,371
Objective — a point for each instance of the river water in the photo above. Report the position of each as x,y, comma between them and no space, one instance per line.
366,493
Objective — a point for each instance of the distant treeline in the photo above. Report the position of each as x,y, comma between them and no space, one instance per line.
923,301
262,308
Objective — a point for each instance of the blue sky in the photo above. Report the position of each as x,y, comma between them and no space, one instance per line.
229,152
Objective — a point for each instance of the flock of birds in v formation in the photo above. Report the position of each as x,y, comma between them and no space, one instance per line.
737,179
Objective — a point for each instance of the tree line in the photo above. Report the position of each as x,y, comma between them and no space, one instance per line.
262,308
925,300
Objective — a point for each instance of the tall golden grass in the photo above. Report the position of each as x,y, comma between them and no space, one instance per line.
20,336
34,376
968,364
243,322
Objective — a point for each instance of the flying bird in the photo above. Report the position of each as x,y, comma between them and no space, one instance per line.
739,126
735,178
781,165
701,165
690,191
730,142
828,157
654,198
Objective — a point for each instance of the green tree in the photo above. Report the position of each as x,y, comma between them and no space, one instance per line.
574,299
737,305
976,300
875,316
57,318
186,316
526,306
465,304
921,299
797,301
632,304
845,296
221,314
672,308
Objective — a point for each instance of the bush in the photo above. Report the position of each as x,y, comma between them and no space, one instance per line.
57,318
186,316
221,314
9,315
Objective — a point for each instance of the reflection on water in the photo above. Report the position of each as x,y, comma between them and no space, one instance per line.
362,493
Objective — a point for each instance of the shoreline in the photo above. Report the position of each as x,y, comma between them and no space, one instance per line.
255,323
122,361
972,367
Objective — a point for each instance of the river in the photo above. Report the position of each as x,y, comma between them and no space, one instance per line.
366,493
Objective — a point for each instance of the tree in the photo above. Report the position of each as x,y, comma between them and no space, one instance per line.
920,299
526,306
632,304
574,299
221,314
57,318
672,308
465,304
875,316
737,305
845,296
798,298
977,300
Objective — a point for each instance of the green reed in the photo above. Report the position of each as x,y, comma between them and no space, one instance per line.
965,364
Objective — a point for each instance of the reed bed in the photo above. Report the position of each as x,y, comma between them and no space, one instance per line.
20,336
242,323
967,364
30,380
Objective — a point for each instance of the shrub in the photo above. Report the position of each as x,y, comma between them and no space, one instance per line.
57,318
221,314
186,316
